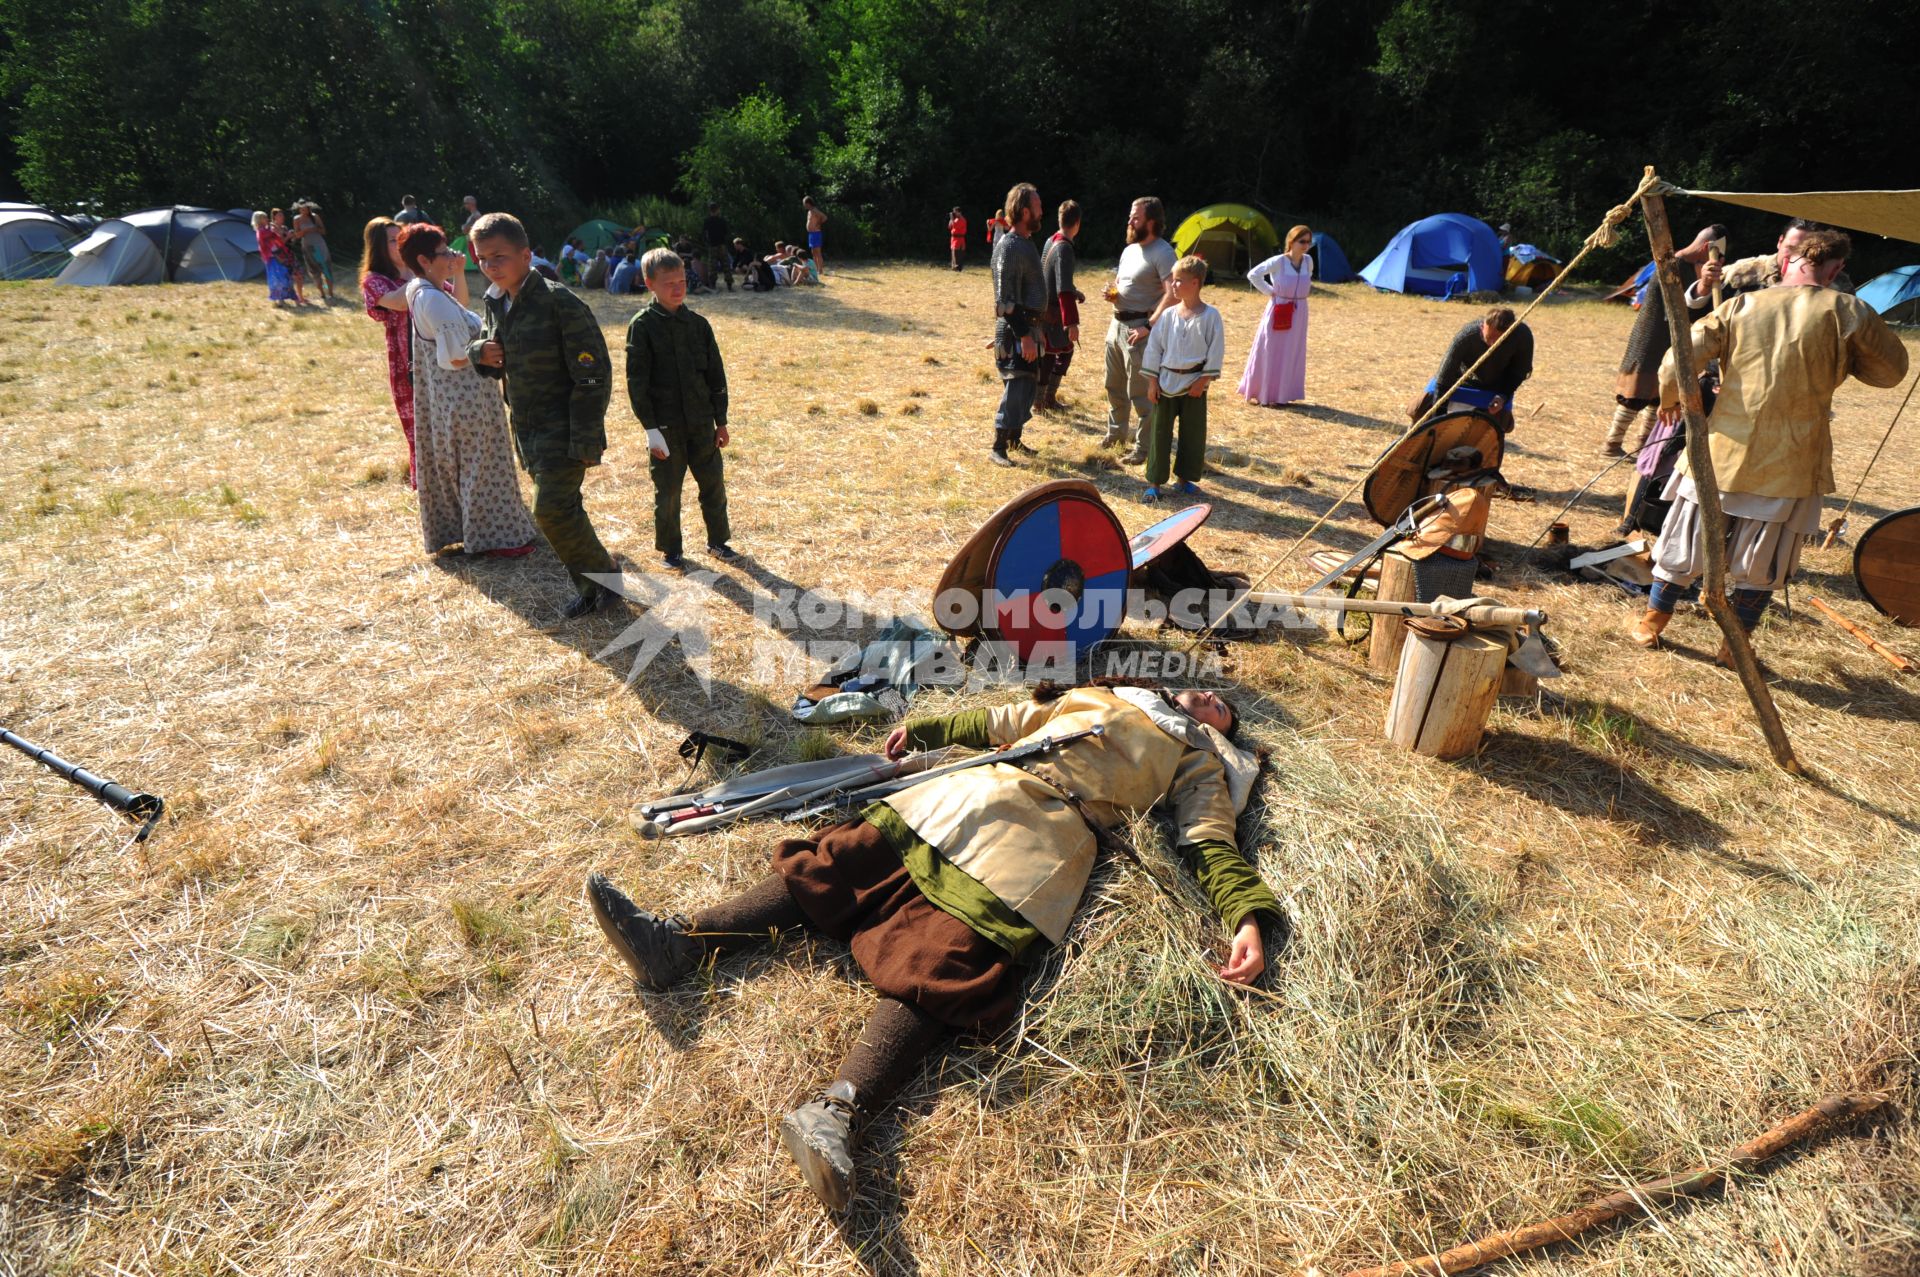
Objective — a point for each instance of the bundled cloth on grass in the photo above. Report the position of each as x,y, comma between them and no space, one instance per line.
880,678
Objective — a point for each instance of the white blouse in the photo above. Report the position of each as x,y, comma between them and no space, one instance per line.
443,321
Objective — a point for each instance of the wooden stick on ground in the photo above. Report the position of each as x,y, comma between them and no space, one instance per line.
1713,519
1873,644
1641,1199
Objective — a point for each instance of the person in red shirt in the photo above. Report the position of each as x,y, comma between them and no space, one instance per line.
957,237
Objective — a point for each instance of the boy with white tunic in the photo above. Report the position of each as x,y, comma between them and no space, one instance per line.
1783,351
1183,357
1138,294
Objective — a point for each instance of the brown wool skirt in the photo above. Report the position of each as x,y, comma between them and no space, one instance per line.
851,884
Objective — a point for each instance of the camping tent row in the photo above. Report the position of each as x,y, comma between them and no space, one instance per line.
178,245
34,241
1233,238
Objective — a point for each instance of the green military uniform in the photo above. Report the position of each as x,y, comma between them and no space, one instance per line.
678,386
558,382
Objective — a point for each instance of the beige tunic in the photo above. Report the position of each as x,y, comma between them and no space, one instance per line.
1783,351
1011,830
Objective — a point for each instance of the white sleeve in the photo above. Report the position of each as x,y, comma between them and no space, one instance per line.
445,320
1216,358
1156,350
1261,276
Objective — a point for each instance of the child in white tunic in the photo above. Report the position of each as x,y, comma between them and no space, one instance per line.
1184,355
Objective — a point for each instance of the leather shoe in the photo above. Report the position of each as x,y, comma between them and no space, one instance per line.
999,458
658,950
592,601
819,1137
1023,449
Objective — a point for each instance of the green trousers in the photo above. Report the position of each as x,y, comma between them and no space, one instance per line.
562,519
689,448
1191,461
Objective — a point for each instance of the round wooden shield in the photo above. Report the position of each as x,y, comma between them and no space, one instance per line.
1057,579
1150,543
1401,478
957,596
1886,564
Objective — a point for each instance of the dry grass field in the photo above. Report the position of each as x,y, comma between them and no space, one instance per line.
346,1013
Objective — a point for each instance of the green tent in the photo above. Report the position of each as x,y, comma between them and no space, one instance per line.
1232,237
598,234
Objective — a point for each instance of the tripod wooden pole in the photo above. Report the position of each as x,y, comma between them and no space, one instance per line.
1713,519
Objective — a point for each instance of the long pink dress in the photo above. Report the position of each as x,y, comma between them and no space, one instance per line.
399,358
1277,365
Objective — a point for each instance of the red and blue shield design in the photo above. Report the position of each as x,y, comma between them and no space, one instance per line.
1058,579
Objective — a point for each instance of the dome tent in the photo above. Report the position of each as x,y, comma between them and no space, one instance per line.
1530,267
598,234
1895,295
1231,237
1330,265
34,241
182,246
1441,256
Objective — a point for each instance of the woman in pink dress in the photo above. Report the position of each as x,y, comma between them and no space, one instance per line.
1277,365
383,282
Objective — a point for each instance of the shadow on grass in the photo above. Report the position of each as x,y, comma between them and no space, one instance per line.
1587,782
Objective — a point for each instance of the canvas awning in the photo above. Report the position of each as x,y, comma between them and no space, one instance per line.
1894,214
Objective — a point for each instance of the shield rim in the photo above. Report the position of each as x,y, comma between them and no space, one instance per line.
988,626
1860,547
1427,431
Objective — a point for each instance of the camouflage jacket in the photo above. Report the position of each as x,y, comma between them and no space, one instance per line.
558,375
675,377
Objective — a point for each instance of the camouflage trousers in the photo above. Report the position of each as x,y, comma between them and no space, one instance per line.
562,519
689,448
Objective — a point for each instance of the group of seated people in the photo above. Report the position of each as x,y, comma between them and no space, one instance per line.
616,268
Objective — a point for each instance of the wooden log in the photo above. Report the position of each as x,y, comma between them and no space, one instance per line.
1515,681
1640,1199
1713,520
1390,632
1444,693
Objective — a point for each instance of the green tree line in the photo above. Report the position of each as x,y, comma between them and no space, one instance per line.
1355,115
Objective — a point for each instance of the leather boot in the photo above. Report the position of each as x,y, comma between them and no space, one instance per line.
1647,630
819,1138
658,950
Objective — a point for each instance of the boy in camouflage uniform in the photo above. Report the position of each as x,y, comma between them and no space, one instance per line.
546,345
678,387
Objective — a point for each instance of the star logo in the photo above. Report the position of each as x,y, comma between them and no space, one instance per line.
670,608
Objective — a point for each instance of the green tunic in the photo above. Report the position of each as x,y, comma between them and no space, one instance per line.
1224,874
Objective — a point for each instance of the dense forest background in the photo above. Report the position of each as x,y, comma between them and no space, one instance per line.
1355,115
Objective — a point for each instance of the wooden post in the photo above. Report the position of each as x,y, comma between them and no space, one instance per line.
1445,690
1390,632
1713,519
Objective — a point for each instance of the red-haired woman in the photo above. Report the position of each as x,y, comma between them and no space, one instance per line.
463,464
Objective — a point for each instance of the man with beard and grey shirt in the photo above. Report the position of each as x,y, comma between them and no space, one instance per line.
1138,294
1019,293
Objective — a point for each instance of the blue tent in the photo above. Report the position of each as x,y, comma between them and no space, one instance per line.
1896,294
1442,256
1330,265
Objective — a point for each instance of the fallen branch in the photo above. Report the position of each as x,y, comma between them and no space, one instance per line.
1873,644
1637,1200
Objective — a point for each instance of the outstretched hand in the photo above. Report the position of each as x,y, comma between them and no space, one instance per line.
1248,957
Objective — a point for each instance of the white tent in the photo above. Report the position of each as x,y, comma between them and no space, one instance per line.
115,253
183,245
34,241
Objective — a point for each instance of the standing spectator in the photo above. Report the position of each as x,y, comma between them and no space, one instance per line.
1277,364
546,345
1783,351
410,212
996,227
719,246
957,237
310,234
1138,293
471,208
1183,357
281,285
1018,295
382,291
1060,317
468,493
816,235
677,384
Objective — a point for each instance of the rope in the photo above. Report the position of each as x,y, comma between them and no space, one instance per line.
1602,237
1876,452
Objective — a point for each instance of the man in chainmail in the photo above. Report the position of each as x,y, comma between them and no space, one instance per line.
1019,294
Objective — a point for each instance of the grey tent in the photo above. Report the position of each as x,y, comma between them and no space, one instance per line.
179,245
34,241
